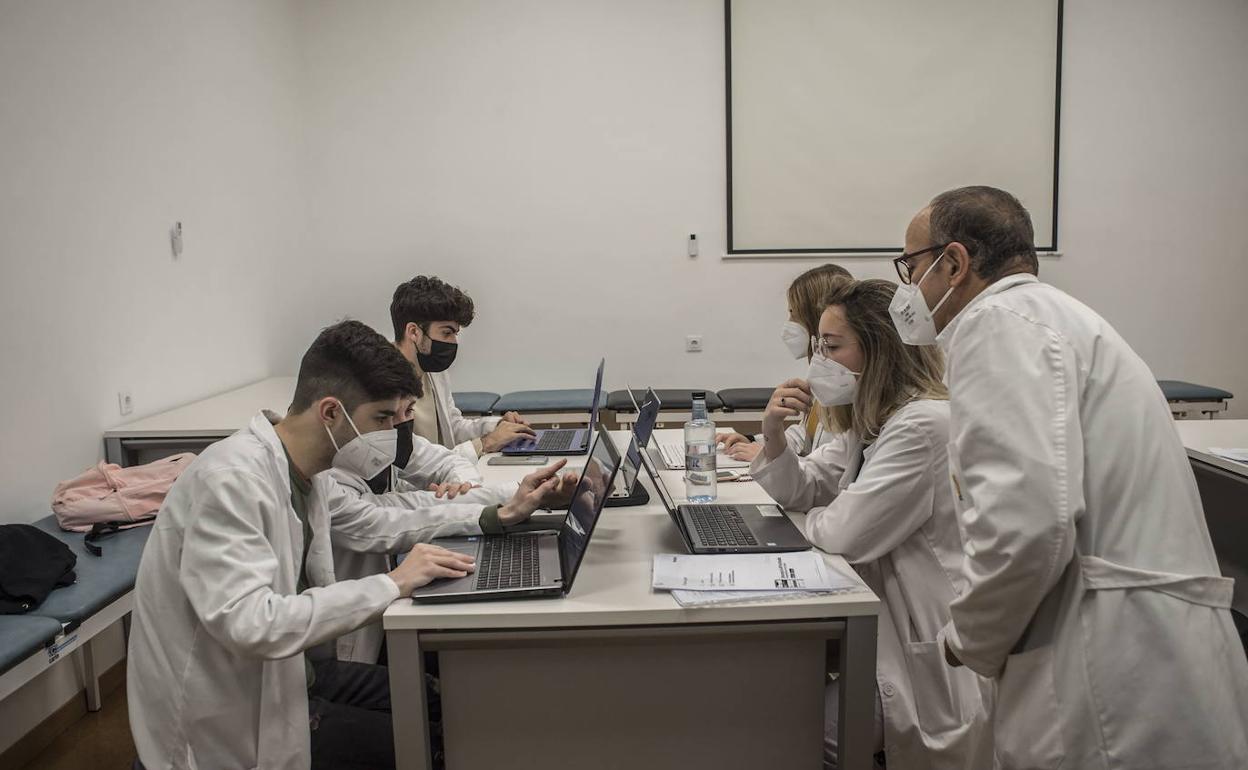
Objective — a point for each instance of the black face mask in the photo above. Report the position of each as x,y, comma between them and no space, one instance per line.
380,483
439,358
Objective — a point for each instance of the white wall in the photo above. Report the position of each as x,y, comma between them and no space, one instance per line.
526,150
542,149
1154,180
116,119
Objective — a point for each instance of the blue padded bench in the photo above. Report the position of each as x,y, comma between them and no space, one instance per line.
745,399
101,579
24,640
1185,397
672,399
475,403
68,620
20,635
550,407
676,404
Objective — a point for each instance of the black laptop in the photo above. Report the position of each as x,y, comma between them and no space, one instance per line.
724,527
628,489
561,441
530,564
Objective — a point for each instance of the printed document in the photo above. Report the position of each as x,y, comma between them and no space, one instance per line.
796,571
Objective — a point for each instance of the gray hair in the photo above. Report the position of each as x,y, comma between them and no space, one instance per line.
992,225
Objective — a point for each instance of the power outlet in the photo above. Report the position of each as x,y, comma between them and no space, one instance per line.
693,343
125,402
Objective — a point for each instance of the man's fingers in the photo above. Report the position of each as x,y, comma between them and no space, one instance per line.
453,559
541,474
438,571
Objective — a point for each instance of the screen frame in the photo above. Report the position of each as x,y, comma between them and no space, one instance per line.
571,569
731,249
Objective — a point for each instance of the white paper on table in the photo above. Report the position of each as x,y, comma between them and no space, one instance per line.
1238,455
715,598
791,571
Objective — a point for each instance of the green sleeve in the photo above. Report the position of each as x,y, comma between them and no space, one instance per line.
489,522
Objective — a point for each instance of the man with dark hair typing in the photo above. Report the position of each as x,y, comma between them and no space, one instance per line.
236,587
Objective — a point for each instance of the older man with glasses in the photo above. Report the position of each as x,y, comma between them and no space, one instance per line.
1094,598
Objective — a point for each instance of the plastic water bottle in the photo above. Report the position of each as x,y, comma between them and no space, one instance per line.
700,483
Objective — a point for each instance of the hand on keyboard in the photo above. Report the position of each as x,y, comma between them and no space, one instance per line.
426,562
506,433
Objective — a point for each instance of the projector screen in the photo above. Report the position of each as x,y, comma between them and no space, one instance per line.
846,116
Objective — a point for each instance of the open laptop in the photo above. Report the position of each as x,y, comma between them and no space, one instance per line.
626,481
561,441
726,527
670,455
530,564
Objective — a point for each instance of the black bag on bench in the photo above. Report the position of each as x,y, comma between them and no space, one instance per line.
32,563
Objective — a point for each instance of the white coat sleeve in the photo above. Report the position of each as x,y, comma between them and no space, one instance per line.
358,523
435,464
1017,459
465,429
228,567
891,498
802,483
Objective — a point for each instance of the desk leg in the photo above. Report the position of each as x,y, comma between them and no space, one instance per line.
409,709
114,452
857,693
90,680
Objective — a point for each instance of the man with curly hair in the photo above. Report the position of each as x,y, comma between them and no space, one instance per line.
428,315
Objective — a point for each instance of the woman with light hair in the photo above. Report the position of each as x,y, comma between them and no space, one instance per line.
805,300
879,495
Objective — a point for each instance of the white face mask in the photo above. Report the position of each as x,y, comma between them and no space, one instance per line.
795,339
366,455
910,313
830,382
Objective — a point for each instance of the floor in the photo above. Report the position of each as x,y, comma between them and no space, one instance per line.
99,741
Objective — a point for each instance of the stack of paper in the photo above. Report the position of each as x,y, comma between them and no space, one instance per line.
720,578
1238,455
709,598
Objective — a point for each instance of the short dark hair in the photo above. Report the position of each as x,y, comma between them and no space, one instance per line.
355,364
992,225
426,299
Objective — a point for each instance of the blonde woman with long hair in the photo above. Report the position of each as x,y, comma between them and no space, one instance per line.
880,496
805,297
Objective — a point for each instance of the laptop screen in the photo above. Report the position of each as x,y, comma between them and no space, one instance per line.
647,416
593,411
657,481
591,492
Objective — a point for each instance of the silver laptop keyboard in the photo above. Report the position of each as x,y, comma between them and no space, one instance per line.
673,455
555,440
720,525
509,562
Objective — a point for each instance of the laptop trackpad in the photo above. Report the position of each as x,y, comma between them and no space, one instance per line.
465,545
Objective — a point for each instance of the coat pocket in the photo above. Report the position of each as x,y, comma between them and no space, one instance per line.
945,698
1027,723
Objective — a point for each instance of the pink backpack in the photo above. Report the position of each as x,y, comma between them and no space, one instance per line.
108,497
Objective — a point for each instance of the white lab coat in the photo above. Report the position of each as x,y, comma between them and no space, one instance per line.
216,667
1094,596
894,521
355,559
795,437
456,430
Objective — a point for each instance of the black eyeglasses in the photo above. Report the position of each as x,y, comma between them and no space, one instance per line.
903,267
